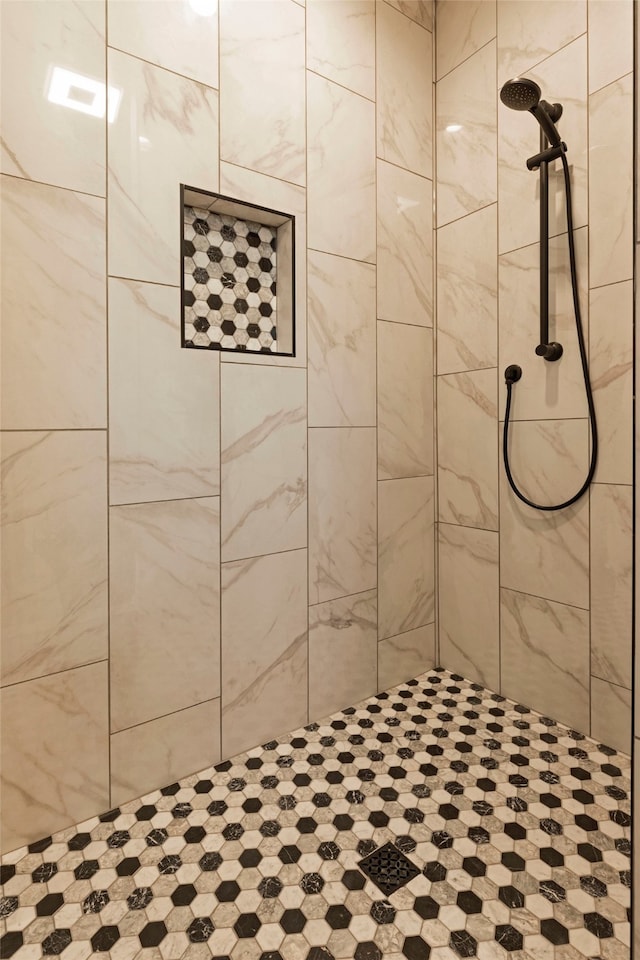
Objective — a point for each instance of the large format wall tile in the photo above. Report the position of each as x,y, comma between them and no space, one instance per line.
405,656
404,246
41,139
467,290
466,136
405,555
422,11
468,449
405,401
611,370
469,602
526,35
55,753
546,553
611,583
54,552
53,308
262,58
264,648
610,41
341,43
176,141
461,29
611,196
176,36
545,657
342,512
611,715
342,342
165,608
404,60
341,184
344,632
547,390
163,401
164,750
263,460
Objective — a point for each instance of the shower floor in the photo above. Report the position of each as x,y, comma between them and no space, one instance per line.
515,828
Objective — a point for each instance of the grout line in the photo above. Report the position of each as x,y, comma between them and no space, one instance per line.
329,253
398,166
465,526
162,716
376,348
54,673
261,556
307,314
54,429
259,173
620,686
220,369
410,19
153,283
535,596
344,596
498,598
55,186
403,633
322,76
158,66
469,57
108,400
143,503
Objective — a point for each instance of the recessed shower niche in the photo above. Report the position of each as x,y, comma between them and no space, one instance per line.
237,275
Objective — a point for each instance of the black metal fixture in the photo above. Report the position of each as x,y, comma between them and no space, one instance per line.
522,93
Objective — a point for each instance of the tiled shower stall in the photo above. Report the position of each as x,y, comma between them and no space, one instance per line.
204,550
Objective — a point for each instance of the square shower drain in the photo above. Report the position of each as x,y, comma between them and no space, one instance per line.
388,868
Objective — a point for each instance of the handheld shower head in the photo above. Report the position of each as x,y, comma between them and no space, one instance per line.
524,94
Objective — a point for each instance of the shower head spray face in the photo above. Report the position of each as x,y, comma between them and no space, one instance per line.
520,94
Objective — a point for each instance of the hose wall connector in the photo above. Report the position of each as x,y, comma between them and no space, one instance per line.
513,373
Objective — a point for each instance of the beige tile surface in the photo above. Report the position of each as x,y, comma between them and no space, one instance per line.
264,648
262,48
404,246
469,603
341,190
405,401
164,750
525,38
405,555
54,552
610,41
422,11
468,449
163,401
165,620
461,29
263,460
404,58
341,43
611,582
165,133
343,631
342,512
58,145
611,715
342,342
545,657
405,656
53,307
55,753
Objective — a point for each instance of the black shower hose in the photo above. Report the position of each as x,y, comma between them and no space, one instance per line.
585,373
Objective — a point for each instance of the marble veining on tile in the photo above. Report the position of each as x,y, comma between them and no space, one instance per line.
462,28
525,38
341,43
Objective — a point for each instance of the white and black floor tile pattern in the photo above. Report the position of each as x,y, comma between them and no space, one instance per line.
432,822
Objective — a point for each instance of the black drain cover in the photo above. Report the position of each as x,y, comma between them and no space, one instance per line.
388,868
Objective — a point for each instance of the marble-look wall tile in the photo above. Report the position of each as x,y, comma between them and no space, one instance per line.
57,145
264,648
279,195
344,632
422,11
469,603
262,75
526,36
405,401
461,29
611,369
53,308
468,449
611,582
263,460
405,555
546,553
165,133
610,41
342,342
341,43
404,246
163,401
54,552
611,715
404,68
342,512
164,750
562,77
341,184
405,656
466,136
467,291
165,608
176,36
545,657
611,197
55,753
547,390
